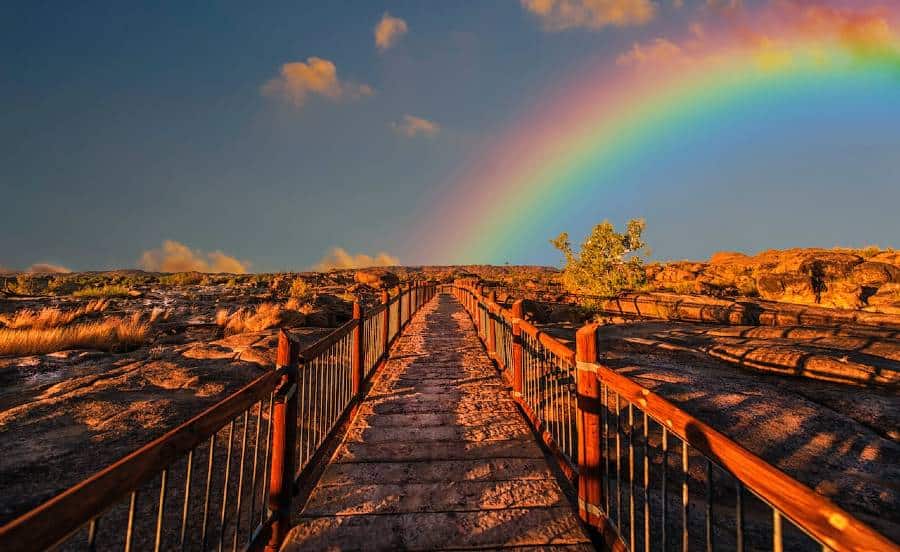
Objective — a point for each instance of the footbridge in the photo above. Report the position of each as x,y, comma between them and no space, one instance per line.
440,420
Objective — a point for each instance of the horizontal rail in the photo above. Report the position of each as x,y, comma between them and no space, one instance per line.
326,342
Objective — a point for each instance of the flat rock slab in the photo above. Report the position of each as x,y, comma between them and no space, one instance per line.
439,457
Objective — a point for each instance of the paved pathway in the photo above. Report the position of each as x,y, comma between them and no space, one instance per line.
438,458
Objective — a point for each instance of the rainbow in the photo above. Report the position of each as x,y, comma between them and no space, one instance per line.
574,139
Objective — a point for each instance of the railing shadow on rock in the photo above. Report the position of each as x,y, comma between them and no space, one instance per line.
648,474
225,479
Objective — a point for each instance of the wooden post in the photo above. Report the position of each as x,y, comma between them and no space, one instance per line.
358,371
518,356
284,441
588,424
385,323
399,308
492,327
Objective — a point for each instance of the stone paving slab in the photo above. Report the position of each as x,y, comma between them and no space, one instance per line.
438,530
438,458
494,469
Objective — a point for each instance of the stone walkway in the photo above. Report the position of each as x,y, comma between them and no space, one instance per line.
438,458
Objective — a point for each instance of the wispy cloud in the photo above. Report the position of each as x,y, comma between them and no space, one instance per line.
657,51
47,267
769,36
412,126
298,80
177,257
388,31
38,268
338,257
558,15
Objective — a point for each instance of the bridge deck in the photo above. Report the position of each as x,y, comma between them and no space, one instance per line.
438,458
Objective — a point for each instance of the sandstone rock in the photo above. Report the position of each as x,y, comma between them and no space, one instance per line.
886,299
778,286
728,257
378,278
874,274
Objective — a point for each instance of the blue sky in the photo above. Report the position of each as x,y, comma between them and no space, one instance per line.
127,125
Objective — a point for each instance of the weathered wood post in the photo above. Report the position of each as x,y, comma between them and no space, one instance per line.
492,327
399,308
284,440
358,353
385,322
588,425
518,356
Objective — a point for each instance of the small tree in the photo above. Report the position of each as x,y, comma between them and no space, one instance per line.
608,262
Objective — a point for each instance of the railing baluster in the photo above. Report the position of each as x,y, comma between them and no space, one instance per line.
264,495
631,516
160,512
685,459
618,463
777,541
646,482
222,516
209,473
240,489
606,464
739,516
709,507
665,488
92,534
189,469
129,530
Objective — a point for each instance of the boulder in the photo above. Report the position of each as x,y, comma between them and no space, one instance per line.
728,258
886,299
874,274
377,278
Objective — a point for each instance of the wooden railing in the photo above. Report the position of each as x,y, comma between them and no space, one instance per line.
225,479
649,475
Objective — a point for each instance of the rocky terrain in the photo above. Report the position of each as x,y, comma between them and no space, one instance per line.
866,279
796,354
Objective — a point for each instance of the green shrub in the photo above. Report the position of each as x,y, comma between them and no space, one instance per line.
609,262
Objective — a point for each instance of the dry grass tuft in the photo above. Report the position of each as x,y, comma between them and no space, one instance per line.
112,334
266,315
50,317
103,291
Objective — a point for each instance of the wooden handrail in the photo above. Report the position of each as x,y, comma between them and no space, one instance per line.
812,512
62,515
323,344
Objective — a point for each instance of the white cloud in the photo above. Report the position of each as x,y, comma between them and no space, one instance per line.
316,76
338,257
558,15
177,257
412,126
388,31
47,267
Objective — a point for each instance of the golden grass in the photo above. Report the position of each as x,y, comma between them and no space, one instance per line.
106,335
103,291
265,316
50,317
